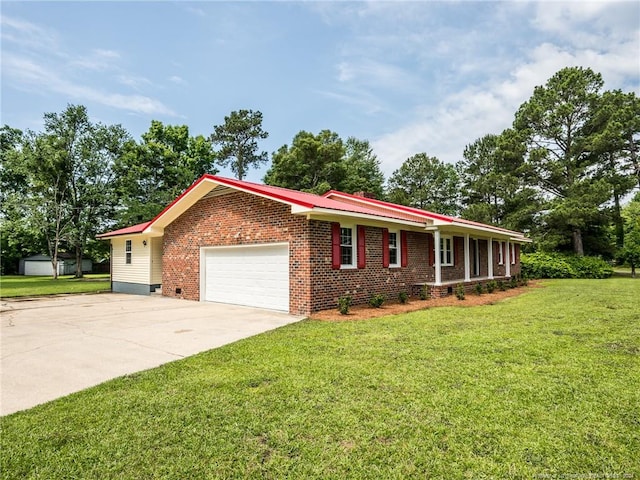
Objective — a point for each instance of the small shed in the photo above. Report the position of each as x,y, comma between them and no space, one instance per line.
41,265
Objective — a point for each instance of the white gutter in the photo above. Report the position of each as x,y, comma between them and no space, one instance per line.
326,212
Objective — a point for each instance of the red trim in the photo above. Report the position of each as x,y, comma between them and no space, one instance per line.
335,246
385,248
404,259
362,250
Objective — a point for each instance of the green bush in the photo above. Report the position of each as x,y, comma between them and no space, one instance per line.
479,289
377,300
557,265
590,267
502,286
403,297
344,303
424,293
491,286
460,291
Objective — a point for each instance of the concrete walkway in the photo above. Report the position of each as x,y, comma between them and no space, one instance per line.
52,347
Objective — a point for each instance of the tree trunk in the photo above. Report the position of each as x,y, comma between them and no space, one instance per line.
78,262
578,249
633,270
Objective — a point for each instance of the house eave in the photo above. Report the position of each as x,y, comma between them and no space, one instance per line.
329,215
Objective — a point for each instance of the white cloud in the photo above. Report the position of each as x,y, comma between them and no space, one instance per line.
28,35
30,75
489,104
98,60
177,80
40,64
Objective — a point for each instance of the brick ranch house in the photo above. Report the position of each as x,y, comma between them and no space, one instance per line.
237,242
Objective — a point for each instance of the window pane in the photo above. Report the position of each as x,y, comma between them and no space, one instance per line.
393,240
346,255
393,256
346,237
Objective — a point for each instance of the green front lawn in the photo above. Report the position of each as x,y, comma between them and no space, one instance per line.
544,385
26,286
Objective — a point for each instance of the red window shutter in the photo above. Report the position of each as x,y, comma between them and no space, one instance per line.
403,248
362,250
385,247
431,246
335,246
517,249
456,248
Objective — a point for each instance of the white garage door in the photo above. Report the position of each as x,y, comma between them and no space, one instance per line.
256,276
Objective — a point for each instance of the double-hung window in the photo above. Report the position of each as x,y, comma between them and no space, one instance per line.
347,252
500,253
394,250
446,251
127,252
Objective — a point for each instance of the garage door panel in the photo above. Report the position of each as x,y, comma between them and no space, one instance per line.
255,276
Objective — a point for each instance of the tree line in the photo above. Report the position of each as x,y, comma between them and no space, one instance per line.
561,173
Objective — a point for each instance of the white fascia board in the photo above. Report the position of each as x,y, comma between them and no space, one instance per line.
487,231
494,231
154,231
328,215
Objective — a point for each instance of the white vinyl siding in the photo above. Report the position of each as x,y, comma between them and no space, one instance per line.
156,260
139,270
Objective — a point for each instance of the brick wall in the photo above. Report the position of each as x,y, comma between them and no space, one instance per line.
362,283
234,219
243,219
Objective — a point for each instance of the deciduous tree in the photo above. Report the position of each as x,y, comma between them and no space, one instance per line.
155,171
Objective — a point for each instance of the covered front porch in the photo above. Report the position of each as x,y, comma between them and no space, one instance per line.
462,258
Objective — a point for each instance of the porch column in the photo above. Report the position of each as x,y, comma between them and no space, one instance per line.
436,240
490,258
507,256
467,272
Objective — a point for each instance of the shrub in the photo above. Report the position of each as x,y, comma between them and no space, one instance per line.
377,300
344,303
403,297
501,286
513,283
589,267
460,291
491,286
479,289
557,265
424,293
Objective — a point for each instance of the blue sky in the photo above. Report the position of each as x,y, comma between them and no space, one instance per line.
409,77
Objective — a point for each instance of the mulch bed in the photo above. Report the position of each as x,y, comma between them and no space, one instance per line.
364,312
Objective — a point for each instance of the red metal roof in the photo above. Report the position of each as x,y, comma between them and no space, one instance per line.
415,211
363,206
139,228
302,199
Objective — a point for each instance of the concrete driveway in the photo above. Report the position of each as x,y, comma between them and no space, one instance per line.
56,346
